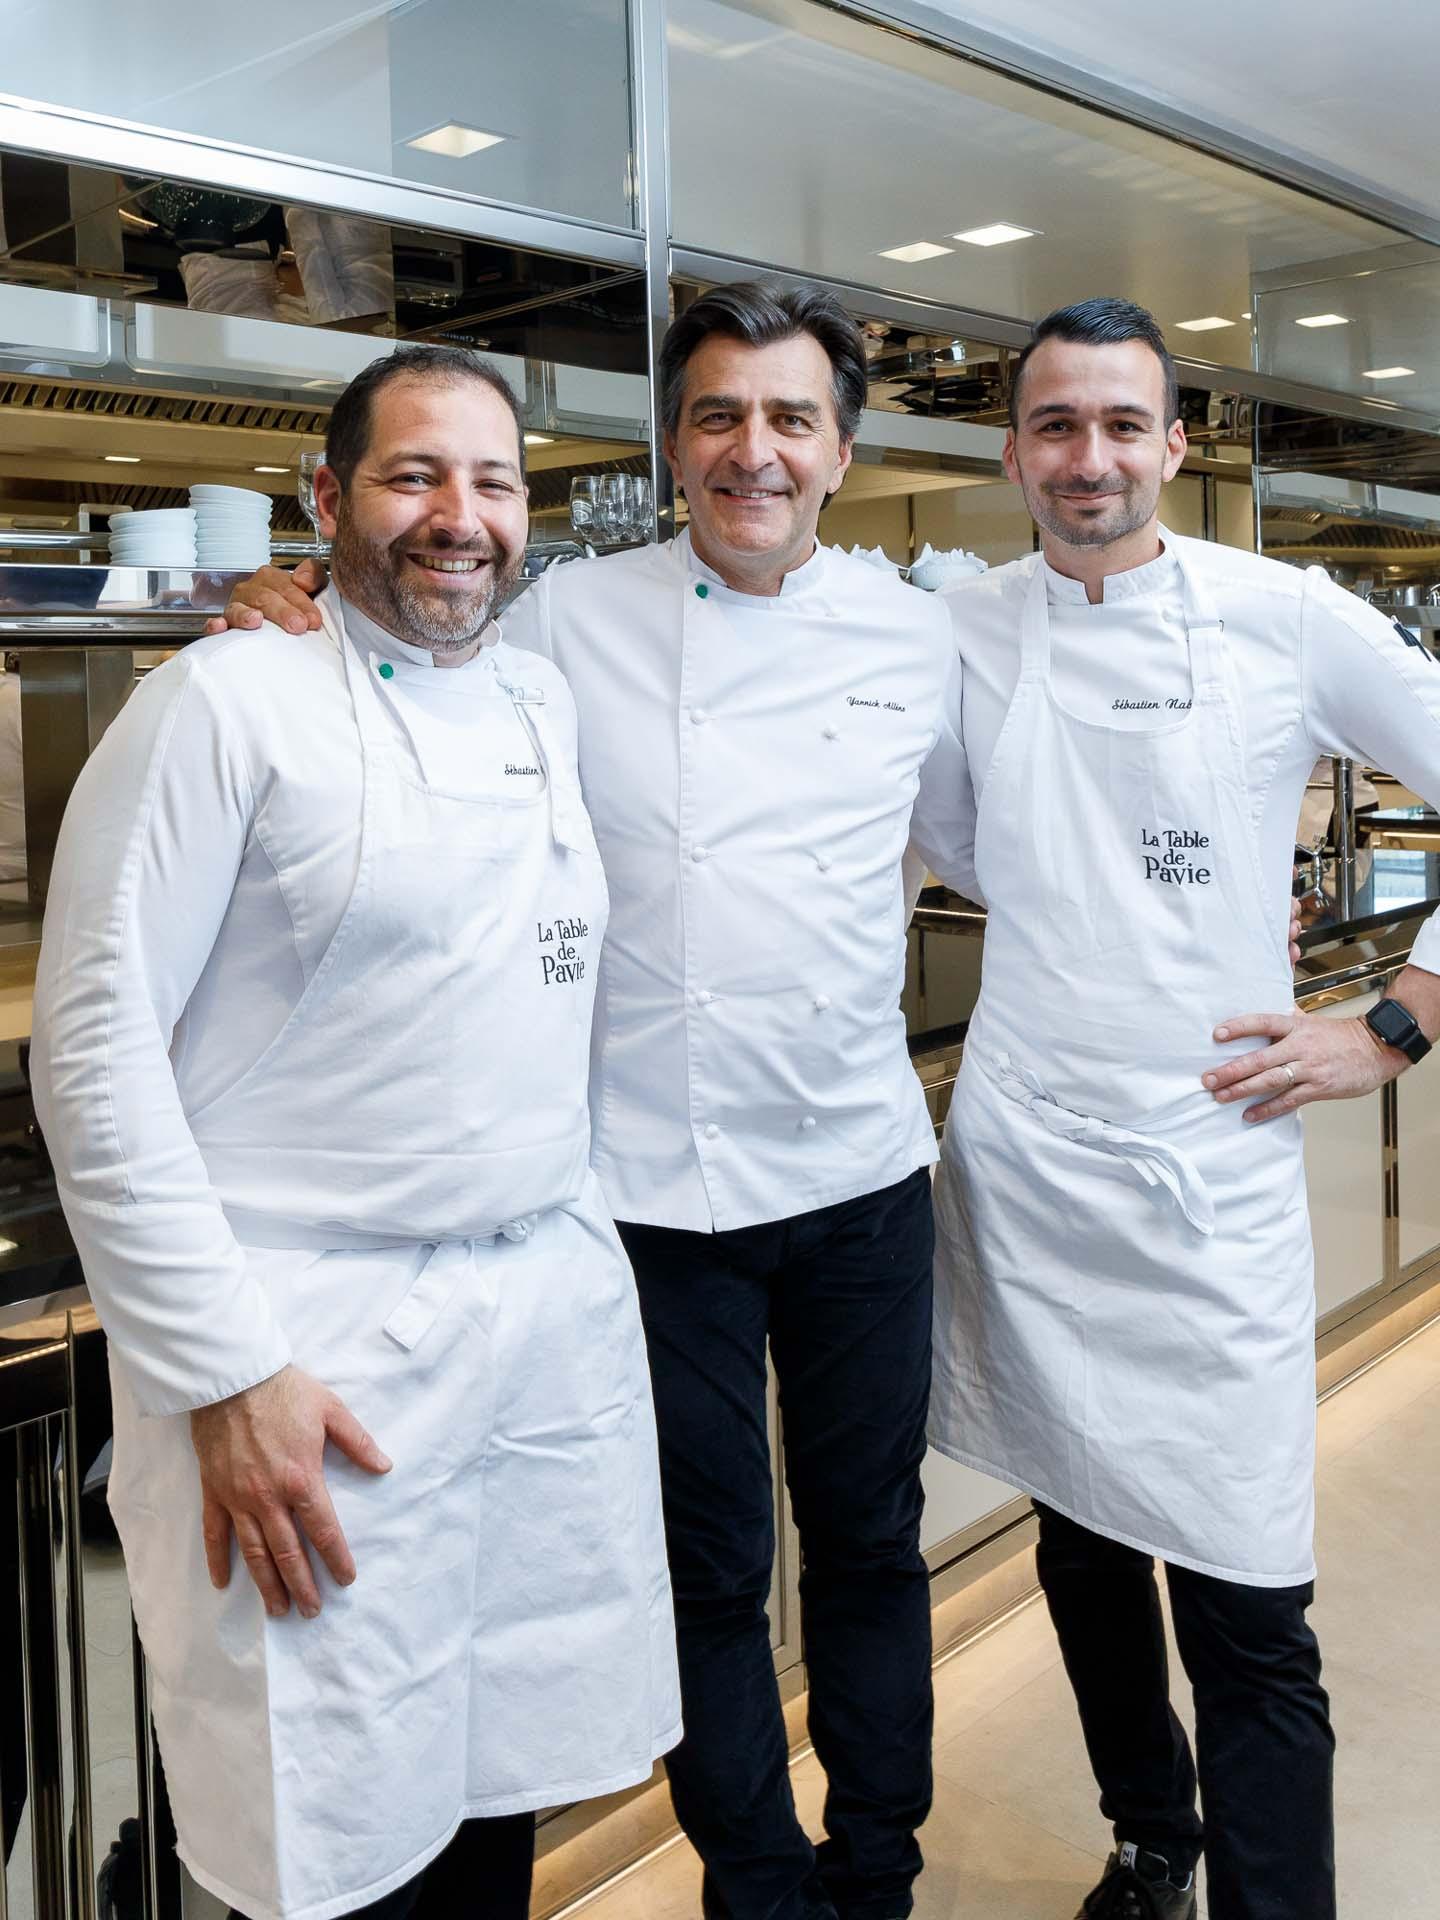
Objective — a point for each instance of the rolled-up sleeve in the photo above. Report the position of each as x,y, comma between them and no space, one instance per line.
144,871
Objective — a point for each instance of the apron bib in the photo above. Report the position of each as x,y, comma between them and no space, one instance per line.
487,915
1124,1293
406,1166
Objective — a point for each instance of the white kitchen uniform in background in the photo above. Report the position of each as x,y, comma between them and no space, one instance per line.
366,1152
1124,1304
750,1058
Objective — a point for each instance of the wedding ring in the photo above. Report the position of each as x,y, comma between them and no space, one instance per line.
1291,1071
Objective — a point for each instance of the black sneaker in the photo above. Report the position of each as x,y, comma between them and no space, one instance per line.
1137,1886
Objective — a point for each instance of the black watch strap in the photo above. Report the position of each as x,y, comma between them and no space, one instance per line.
1398,1027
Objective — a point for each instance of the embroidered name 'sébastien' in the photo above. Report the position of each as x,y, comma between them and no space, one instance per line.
510,767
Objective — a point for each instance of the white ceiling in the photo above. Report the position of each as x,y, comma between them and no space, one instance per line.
1353,92
811,141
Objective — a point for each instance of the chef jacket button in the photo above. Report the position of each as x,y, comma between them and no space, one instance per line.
832,733
702,592
385,670
808,1122
703,999
698,716
700,853
712,1132
822,1001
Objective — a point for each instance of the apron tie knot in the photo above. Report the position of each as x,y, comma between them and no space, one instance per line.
1156,1161
446,1264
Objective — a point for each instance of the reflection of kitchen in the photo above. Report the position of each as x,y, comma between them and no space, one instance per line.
155,337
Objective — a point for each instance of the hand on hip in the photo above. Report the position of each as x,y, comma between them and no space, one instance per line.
1311,1058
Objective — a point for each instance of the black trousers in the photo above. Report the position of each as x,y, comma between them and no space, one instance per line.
484,1874
1264,1746
843,1296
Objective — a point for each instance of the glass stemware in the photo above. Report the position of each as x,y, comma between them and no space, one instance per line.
305,492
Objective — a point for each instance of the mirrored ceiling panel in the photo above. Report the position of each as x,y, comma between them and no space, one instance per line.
812,141
442,93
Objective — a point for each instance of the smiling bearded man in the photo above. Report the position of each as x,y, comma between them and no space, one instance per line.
317,1106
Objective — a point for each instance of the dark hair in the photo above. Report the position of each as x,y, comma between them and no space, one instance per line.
348,434
1101,323
761,314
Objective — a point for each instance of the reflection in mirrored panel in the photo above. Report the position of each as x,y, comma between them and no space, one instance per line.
437,92
155,335
1360,324
876,160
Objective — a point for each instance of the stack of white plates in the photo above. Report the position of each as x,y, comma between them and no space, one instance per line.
232,528
163,537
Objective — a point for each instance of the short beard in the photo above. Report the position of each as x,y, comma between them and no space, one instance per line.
1137,508
370,576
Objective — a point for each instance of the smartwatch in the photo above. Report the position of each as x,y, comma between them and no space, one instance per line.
1398,1028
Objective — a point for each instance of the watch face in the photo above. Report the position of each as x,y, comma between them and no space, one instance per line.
1392,1022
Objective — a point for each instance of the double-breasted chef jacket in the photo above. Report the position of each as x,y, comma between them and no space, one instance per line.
750,765
311,1046
1124,1283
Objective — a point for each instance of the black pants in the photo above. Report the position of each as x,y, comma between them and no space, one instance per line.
843,1295
1262,1721
484,1874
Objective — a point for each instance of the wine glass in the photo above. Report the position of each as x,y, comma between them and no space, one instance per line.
305,491
584,514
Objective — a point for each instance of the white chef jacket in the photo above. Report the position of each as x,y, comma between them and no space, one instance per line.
749,765
244,744
1320,672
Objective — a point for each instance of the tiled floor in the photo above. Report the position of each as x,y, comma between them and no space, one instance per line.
1015,1831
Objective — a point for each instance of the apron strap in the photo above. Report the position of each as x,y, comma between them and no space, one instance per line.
444,1268
567,808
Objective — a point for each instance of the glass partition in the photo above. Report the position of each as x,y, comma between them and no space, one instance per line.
154,334
436,92
860,154
1361,325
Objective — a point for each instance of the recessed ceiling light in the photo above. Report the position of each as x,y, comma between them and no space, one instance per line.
1208,325
123,459
1388,373
272,469
455,142
539,440
917,250
995,236
1323,320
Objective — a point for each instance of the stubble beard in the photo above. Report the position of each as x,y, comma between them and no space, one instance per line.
370,576
1136,506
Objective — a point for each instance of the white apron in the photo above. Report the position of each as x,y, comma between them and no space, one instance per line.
1124,1292
407,1168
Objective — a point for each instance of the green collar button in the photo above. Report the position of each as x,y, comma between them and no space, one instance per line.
386,671
701,591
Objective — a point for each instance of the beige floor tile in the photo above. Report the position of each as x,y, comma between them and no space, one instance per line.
1378,1395
1016,1831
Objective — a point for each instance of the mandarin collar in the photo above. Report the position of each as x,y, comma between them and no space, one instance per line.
1154,577
368,636
810,577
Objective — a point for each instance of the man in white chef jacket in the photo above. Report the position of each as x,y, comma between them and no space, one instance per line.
311,1041
756,712
1124,1293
